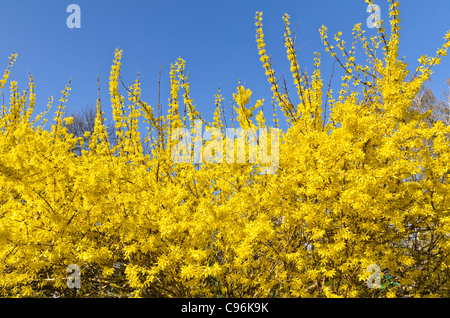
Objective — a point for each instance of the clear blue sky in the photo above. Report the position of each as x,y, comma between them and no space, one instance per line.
216,38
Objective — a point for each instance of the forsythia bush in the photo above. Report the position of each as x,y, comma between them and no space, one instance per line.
370,186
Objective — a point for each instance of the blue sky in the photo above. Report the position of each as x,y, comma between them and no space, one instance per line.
216,38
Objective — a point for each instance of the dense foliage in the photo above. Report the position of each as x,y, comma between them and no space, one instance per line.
369,186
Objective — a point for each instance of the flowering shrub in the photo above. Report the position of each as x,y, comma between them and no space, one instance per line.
370,186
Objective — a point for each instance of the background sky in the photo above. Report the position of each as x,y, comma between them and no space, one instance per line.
216,38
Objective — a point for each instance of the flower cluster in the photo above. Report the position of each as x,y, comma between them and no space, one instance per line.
370,186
